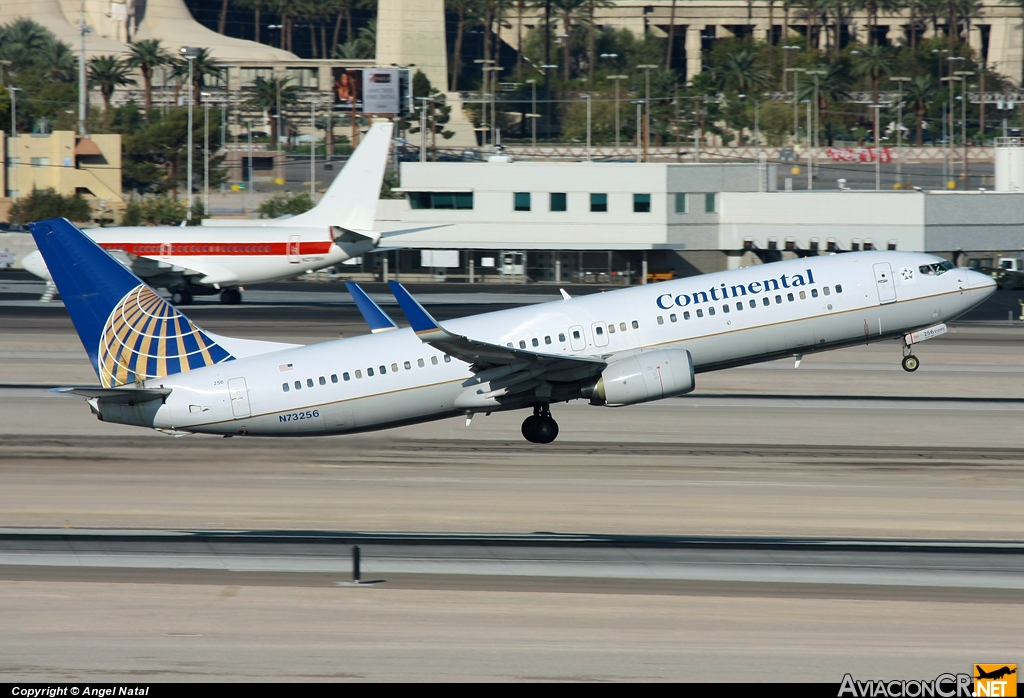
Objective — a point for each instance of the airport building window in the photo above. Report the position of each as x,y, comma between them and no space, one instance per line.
598,203
558,202
521,200
298,385
359,374
839,288
440,200
345,376
641,203
369,372
700,313
825,290
680,203
309,382
711,203
284,387
447,359
814,293
433,360
789,297
323,381
636,325
661,320
408,366
672,317
419,362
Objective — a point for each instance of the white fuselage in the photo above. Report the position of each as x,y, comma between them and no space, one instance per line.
392,378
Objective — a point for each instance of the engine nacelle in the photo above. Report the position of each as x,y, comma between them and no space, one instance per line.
642,377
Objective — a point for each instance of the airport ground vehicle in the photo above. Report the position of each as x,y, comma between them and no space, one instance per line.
1007,271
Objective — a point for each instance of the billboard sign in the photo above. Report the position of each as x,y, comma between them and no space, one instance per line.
371,90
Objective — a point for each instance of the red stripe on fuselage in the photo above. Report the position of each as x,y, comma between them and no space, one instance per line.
226,249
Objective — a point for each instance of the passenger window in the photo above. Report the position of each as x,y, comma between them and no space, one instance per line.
334,377
673,318
725,308
419,362
611,329
298,385
535,342
766,301
686,314
510,344
599,331
345,376
700,313
803,295
575,334
778,300
547,339
522,343
309,382
711,311
753,304
739,305
369,372
394,367
636,325
383,370
814,293
284,387
839,288
323,381
789,297
447,359
561,337
433,360
359,374
825,290
661,320
408,366
622,326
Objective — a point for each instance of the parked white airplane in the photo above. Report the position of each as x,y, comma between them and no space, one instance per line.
193,261
158,370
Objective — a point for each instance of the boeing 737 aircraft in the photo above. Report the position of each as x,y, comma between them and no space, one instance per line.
191,261
157,369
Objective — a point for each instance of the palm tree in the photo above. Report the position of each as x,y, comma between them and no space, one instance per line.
466,12
21,41
58,60
920,91
569,9
592,38
147,55
833,88
257,7
267,94
108,73
203,65
743,71
874,62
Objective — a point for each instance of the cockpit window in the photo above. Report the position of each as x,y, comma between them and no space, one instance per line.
937,269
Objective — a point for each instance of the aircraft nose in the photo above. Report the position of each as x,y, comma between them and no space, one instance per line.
35,264
982,285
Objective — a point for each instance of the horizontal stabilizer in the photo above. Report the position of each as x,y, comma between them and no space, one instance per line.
375,317
121,396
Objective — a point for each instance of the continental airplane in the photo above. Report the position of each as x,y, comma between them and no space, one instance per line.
191,261
157,369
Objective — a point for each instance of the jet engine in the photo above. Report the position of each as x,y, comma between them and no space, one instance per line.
649,375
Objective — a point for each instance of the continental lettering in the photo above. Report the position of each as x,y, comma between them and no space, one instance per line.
722,292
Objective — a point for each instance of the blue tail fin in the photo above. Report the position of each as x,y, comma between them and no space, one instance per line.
129,332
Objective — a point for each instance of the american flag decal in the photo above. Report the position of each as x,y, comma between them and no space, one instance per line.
284,367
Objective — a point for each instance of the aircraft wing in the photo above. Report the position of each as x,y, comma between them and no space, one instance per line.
118,395
206,272
484,355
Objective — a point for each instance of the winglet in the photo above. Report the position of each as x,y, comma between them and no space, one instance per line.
419,318
376,318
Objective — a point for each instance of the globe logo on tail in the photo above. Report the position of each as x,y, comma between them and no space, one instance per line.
145,337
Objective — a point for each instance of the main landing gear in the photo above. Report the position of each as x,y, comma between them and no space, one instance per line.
180,296
231,296
540,428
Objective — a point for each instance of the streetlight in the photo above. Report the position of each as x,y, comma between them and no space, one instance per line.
484,63
810,181
963,74
878,160
616,78
11,89
547,68
251,183
796,86
586,96
312,149
206,153
947,151
647,105
533,115
190,53
785,63
817,115
639,135
83,84
899,129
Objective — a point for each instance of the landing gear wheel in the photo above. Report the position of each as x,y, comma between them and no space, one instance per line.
540,428
910,363
231,296
181,297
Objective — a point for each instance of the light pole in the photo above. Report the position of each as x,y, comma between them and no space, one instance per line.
899,129
206,154
817,117
251,183
796,85
586,96
785,63
11,90
878,160
617,78
485,63
533,115
190,53
947,126
810,181
647,105
423,127
963,75
547,68
639,134
312,150
83,84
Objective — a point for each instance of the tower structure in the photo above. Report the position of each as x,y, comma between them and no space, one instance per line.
412,32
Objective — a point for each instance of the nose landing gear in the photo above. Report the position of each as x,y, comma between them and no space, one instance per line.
910,363
540,428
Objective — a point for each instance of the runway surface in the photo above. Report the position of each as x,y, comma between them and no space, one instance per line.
779,523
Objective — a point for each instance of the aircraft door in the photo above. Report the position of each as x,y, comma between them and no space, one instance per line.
165,250
600,334
239,398
884,283
293,249
577,341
